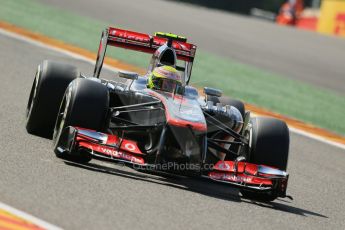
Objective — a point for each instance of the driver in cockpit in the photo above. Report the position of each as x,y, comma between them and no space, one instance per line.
164,78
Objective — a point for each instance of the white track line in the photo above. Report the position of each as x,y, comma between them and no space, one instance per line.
88,60
316,137
28,217
49,47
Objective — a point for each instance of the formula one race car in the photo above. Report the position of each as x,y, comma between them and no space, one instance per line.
158,122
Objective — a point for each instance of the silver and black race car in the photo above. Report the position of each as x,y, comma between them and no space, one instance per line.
174,132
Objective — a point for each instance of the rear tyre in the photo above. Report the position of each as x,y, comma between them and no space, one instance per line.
269,145
50,83
85,104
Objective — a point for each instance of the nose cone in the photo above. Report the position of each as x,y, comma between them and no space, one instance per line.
182,111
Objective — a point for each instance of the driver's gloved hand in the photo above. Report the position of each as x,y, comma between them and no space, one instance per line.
240,158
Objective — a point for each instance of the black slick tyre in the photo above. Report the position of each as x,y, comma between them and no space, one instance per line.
85,104
50,83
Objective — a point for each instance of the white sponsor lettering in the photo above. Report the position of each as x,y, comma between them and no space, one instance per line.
121,155
130,146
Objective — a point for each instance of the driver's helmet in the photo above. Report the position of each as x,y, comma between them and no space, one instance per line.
164,78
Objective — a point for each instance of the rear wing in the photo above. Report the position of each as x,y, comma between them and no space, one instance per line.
140,42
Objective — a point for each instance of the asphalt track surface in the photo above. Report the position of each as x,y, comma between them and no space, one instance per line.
297,54
107,196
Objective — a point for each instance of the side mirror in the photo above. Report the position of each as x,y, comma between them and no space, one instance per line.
191,92
128,75
212,92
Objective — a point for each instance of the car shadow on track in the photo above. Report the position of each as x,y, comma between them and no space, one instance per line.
201,186
284,208
218,191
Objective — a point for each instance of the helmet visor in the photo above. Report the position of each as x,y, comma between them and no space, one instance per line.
164,84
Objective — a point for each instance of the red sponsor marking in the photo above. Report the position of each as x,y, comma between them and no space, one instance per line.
126,145
142,42
130,146
112,152
229,166
239,178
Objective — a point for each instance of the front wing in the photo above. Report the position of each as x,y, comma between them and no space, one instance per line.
75,139
248,176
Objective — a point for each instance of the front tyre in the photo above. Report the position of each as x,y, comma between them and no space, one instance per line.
85,104
270,141
50,83
269,145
